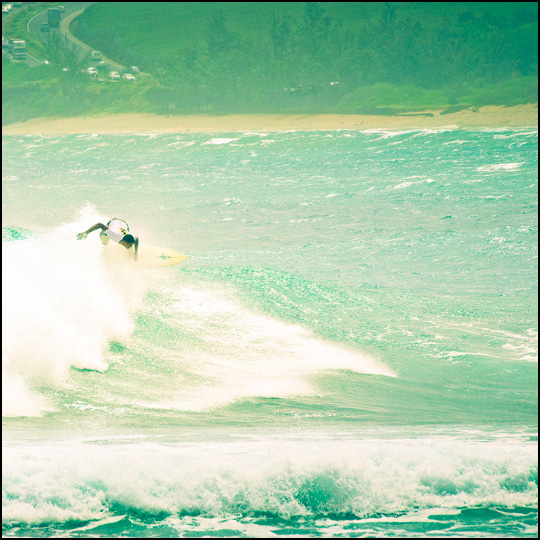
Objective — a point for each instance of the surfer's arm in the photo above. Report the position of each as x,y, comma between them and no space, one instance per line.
93,228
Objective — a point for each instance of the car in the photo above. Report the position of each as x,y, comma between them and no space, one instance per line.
128,77
45,27
61,9
96,55
113,75
6,8
135,69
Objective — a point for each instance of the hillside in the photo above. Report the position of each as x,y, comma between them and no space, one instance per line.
294,57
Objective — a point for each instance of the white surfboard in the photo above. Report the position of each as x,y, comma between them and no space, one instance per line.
149,257
157,257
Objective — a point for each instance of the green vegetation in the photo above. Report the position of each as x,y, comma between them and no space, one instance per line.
46,90
291,57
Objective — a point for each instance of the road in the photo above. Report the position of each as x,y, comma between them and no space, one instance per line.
30,60
34,25
72,10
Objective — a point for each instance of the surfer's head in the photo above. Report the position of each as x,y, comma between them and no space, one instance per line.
129,241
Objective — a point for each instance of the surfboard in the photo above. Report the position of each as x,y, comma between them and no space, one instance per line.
149,257
157,257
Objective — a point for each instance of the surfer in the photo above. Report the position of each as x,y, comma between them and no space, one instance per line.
116,230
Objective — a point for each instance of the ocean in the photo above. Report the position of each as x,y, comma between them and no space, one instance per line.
350,351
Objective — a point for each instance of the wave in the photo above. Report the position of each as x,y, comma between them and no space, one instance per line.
88,480
180,346
220,351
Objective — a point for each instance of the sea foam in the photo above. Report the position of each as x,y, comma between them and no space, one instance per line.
61,304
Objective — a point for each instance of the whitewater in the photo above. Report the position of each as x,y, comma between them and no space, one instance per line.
351,349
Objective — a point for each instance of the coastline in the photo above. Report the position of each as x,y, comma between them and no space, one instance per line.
485,117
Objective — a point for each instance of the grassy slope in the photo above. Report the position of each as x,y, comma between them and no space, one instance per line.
159,29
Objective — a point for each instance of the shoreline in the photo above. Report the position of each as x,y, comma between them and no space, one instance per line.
519,116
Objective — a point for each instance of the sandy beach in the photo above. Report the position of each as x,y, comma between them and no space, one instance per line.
485,117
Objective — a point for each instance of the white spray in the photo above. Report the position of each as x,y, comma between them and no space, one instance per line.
61,304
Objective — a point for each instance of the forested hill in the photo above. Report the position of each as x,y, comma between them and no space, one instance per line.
330,55
280,57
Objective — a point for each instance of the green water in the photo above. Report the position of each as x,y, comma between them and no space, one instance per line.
351,349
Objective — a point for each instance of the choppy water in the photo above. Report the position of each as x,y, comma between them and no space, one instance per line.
350,351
